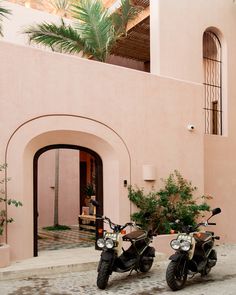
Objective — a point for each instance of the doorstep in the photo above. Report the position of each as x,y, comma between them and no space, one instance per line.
54,261
57,261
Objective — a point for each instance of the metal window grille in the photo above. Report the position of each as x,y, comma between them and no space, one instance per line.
213,83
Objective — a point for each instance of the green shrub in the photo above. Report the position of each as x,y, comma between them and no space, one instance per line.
159,209
57,227
7,202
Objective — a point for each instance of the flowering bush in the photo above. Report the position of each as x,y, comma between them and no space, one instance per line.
159,209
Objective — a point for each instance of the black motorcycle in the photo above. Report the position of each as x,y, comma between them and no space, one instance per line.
194,254
139,256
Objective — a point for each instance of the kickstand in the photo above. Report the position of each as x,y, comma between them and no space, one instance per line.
193,275
132,271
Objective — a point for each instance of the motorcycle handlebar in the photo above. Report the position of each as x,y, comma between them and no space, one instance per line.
114,225
190,228
127,224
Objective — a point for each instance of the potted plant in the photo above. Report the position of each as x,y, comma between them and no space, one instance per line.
4,219
89,192
176,200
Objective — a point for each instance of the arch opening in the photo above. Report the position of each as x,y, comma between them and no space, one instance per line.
62,131
212,63
77,175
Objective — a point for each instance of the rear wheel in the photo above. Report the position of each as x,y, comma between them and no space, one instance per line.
103,275
211,261
176,275
206,271
146,265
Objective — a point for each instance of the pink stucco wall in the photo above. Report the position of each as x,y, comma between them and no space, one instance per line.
69,194
177,52
129,118
46,180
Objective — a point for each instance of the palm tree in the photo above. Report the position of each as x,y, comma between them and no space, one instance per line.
94,32
3,13
60,7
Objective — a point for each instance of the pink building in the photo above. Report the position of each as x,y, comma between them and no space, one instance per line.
121,118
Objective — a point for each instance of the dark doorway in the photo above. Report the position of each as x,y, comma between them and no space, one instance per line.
91,170
83,181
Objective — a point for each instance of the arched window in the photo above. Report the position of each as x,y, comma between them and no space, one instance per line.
212,59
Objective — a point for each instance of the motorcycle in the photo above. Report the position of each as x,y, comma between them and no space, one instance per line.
139,256
194,253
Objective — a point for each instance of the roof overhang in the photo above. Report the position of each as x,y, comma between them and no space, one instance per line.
136,44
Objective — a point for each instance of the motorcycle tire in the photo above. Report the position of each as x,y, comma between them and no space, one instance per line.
145,266
205,271
208,267
174,276
103,275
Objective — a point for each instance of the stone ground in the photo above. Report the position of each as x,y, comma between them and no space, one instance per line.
222,280
64,239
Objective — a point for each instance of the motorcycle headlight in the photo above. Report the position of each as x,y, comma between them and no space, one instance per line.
101,243
109,243
175,244
185,245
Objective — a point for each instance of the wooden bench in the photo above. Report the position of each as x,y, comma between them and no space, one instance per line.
90,219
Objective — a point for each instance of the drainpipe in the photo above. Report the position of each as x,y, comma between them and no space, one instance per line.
56,221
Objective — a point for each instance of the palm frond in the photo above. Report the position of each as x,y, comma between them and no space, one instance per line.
123,15
59,4
61,7
95,27
95,31
59,38
3,13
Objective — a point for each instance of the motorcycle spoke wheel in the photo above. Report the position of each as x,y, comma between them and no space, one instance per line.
175,275
103,275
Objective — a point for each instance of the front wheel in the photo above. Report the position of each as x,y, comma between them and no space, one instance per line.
103,275
176,275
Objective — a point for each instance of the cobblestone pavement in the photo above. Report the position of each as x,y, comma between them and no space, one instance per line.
222,280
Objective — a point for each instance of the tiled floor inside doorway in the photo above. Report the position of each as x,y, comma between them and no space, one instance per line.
64,239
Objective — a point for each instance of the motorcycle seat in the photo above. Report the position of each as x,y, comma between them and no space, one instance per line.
135,235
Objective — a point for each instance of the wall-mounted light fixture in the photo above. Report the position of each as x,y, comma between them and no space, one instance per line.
149,172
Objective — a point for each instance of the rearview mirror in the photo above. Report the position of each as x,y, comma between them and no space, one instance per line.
216,211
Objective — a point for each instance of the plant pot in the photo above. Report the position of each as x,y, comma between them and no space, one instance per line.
4,255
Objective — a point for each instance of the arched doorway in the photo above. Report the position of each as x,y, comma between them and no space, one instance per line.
90,171
45,131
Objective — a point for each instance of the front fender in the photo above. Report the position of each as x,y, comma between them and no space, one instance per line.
178,257
108,256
